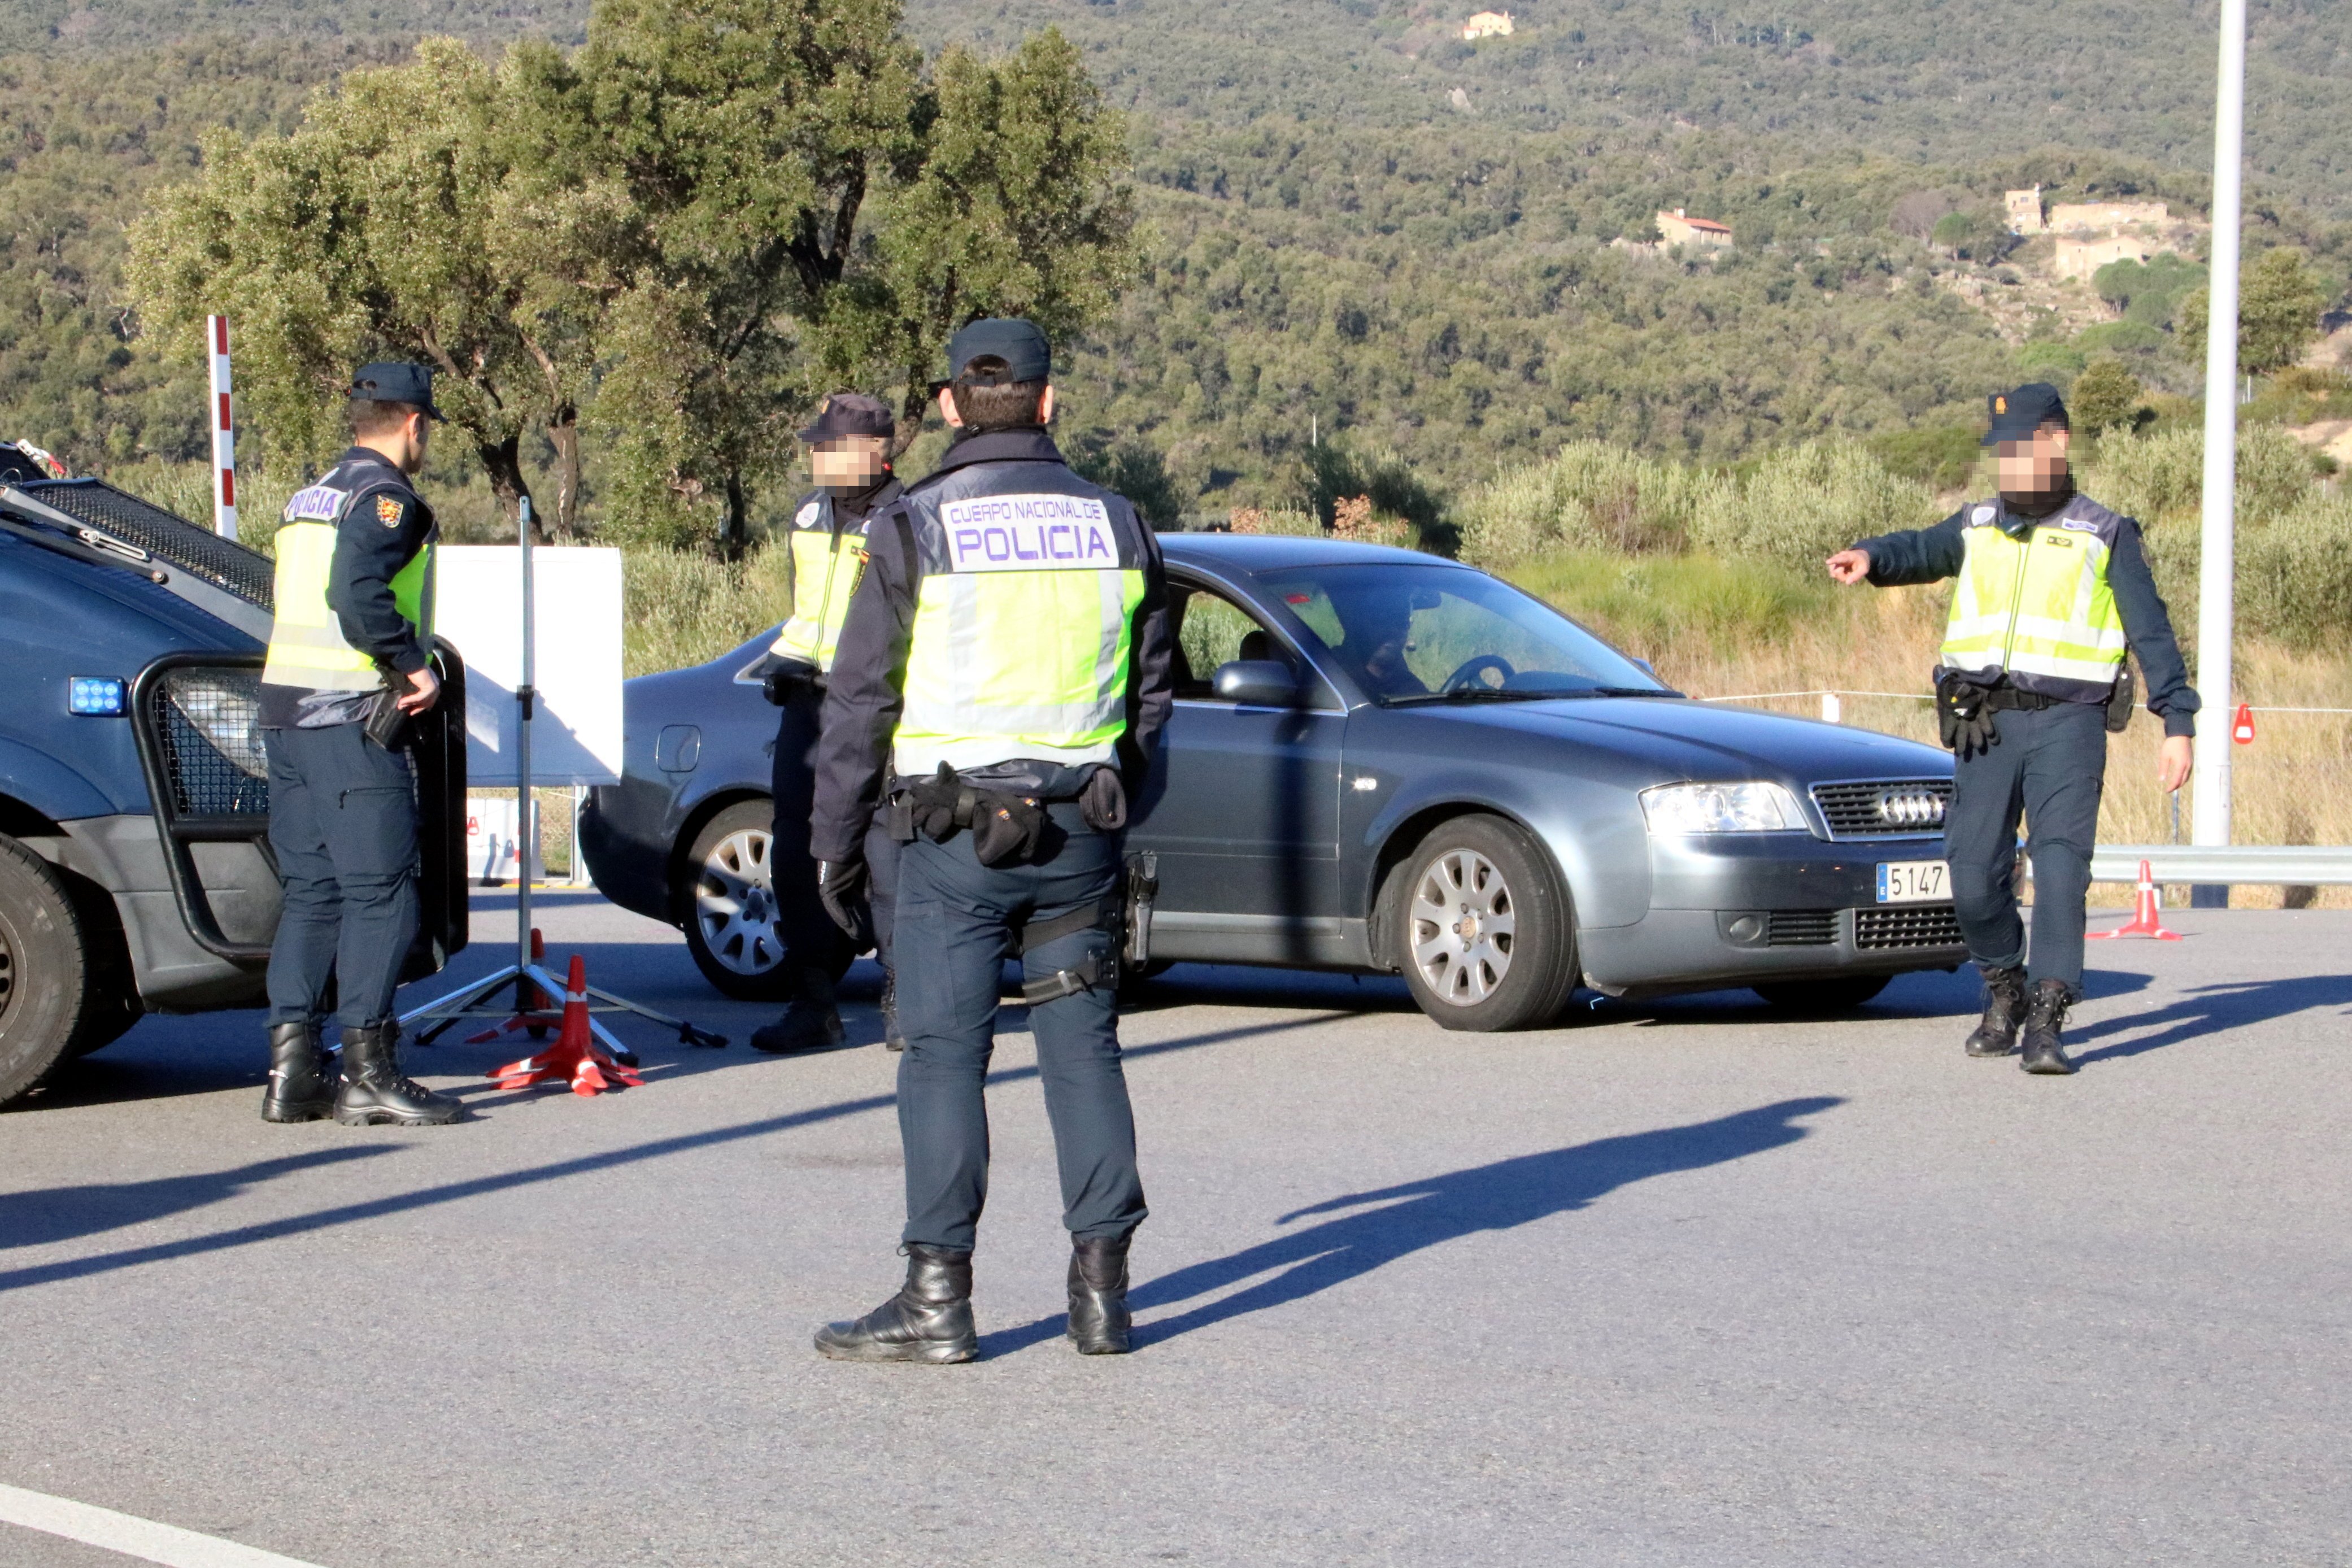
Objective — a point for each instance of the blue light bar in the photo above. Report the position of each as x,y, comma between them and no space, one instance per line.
94,697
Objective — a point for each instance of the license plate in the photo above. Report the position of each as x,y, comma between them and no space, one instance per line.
1913,881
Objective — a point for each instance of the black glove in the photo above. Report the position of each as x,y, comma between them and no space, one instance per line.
941,805
1963,718
1103,802
841,887
787,681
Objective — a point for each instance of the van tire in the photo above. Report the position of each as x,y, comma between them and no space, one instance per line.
46,1006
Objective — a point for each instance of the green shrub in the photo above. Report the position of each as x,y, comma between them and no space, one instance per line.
682,607
2295,574
1805,502
1650,605
1590,496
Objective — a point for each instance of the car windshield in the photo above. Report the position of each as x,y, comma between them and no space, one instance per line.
1442,634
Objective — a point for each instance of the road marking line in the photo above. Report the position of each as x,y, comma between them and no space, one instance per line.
133,1537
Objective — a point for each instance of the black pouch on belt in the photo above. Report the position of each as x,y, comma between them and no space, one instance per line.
1006,828
2119,701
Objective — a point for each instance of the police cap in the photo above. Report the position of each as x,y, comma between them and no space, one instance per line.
851,414
2016,415
1026,355
395,382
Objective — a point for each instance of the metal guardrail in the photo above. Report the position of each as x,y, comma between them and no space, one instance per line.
2254,865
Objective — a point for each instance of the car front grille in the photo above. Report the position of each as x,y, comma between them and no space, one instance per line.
1883,808
1907,925
209,722
1802,928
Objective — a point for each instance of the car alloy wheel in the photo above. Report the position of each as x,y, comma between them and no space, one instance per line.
735,904
1463,925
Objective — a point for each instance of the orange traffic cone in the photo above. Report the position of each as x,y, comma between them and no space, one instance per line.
575,1056
2147,919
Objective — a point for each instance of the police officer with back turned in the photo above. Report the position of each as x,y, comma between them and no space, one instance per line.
849,457
347,675
1006,668
2054,588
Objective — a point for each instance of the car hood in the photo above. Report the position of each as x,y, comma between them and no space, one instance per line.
1679,739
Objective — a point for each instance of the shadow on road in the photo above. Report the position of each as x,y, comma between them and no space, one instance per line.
67,1213
1502,1195
166,1202
2206,1009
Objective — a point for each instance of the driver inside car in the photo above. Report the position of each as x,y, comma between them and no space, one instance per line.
1378,627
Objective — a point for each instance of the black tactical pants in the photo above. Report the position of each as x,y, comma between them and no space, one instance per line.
342,824
810,939
2051,765
954,918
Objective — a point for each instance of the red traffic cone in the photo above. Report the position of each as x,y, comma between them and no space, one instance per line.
575,1056
2147,919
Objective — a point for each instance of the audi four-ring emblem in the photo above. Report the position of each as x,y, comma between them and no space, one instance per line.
1903,809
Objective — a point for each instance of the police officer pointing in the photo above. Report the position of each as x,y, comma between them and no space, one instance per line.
2052,589
348,658
849,454
1007,657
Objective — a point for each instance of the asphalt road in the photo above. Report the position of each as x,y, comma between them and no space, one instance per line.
1689,1283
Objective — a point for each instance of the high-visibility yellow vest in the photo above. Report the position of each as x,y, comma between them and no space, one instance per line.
2038,608
1024,625
828,558
307,647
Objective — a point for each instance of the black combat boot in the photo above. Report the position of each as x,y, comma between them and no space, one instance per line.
928,1320
1996,1036
813,1023
1098,1319
373,1091
303,1078
2045,1015
892,1037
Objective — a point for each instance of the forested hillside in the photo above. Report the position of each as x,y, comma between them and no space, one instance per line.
1358,229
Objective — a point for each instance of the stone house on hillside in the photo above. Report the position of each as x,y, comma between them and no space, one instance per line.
1678,228
1487,24
2024,211
2080,256
2091,218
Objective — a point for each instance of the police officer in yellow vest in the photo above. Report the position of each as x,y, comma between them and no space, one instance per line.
2053,589
1005,672
849,457
354,617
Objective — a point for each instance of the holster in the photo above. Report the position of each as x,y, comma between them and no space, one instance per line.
1099,968
2120,701
387,723
1006,828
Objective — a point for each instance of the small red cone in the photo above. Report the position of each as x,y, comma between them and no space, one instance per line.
575,1056
2147,920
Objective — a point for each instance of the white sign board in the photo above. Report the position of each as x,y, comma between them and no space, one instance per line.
575,731
493,840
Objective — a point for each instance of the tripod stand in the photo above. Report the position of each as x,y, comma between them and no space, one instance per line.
526,974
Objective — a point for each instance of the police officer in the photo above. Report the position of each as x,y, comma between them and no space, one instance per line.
2052,589
347,659
1006,669
849,457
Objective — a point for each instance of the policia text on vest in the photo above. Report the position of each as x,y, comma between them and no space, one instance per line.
347,653
1007,654
2053,590
849,444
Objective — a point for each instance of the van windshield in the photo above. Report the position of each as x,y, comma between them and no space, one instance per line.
1443,633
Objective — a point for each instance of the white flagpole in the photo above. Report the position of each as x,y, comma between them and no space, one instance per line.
2217,568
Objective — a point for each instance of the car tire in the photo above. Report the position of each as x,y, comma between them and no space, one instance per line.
728,902
1839,996
1516,967
45,975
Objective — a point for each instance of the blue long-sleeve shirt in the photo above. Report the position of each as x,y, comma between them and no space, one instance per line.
1932,555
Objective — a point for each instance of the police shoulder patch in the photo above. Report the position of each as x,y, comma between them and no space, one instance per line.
1983,513
805,517
389,512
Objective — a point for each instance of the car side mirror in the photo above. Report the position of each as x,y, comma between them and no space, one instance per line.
1258,683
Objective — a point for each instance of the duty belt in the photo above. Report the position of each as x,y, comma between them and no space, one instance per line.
2006,696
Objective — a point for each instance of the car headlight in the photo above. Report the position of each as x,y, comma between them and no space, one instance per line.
1753,808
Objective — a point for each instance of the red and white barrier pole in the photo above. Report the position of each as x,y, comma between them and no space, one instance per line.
224,431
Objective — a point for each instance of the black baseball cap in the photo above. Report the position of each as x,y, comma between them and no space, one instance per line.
396,382
2016,415
851,414
1026,355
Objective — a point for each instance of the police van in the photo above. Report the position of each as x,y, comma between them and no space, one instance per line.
135,871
